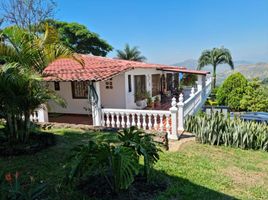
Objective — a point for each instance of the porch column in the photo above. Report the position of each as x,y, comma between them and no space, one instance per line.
96,106
174,113
201,85
180,113
173,80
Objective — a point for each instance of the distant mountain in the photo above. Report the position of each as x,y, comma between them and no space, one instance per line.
248,69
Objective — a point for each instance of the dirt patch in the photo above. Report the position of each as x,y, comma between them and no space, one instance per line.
241,177
176,145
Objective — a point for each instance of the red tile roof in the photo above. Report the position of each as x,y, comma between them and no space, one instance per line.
95,68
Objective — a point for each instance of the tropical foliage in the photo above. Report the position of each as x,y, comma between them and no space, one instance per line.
130,54
255,97
22,90
116,160
78,38
232,90
12,188
215,57
216,129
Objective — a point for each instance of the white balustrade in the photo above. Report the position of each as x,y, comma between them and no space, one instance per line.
147,119
170,121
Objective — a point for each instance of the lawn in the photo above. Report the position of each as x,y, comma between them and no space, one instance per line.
194,172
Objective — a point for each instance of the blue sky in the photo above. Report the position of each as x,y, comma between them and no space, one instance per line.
169,31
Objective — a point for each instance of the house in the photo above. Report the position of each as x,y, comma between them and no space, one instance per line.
109,90
117,80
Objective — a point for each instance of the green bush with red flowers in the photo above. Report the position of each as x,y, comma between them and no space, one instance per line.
13,188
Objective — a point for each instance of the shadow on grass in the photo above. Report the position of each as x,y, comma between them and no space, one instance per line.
163,186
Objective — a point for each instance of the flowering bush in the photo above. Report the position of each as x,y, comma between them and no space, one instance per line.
12,189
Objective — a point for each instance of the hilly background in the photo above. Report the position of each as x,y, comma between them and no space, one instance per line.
248,69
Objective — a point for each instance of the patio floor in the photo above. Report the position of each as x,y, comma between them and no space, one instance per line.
71,118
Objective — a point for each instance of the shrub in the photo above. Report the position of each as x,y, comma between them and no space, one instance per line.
255,98
117,160
232,90
215,129
12,188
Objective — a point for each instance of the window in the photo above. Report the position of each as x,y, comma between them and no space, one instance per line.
155,84
57,86
80,89
109,84
129,83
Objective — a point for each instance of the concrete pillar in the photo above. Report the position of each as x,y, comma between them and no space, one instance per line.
174,113
180,113
96,106
201,82
42,113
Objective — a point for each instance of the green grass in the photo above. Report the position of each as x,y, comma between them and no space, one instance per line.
195,172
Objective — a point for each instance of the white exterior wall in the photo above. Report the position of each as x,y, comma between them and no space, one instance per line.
73,106
130,96
113,98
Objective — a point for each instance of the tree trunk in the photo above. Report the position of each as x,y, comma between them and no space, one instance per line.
214,77
26,126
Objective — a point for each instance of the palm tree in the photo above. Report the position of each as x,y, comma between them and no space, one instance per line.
215,57
25,55
130,54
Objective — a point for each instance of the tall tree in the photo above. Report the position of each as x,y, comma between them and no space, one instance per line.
129,53
215,57
27,13
80,39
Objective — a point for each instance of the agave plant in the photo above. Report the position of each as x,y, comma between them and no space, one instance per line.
216,129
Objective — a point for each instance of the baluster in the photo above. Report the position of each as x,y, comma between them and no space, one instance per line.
138,120
133,120
112,117
155,121
107,119
144,121
149,121
128,122
161,122
117,120
122,120
167,123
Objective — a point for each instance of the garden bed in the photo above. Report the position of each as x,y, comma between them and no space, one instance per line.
37,142
96,187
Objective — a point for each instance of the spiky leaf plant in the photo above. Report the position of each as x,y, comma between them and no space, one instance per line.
216,129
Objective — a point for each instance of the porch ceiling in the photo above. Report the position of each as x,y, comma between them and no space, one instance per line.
188,71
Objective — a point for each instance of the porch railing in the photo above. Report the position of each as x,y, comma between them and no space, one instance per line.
170,121
147,119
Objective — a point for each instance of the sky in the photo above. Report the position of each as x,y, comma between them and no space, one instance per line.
171,31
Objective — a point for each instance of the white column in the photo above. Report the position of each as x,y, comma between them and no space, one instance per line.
174,113
96,106
202,85
180,113
42,113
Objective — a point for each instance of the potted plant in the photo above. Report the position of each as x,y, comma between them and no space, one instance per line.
157,101
140,98
150,102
